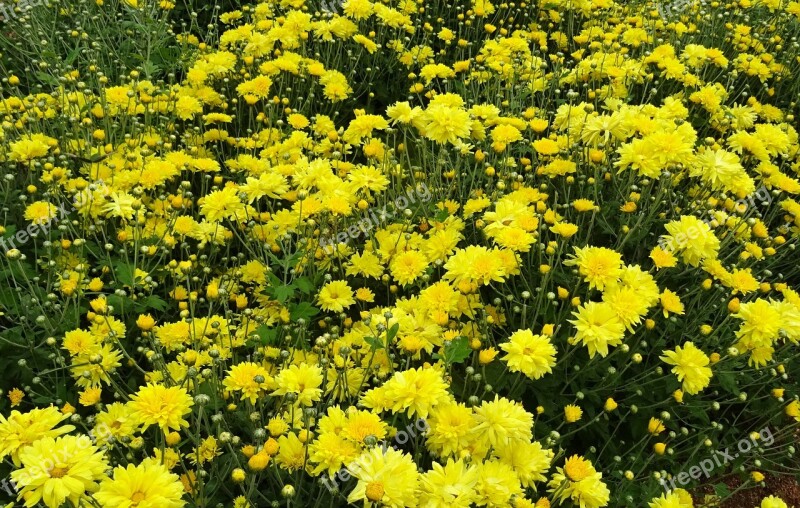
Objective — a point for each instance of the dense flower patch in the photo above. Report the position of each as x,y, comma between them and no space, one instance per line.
403,254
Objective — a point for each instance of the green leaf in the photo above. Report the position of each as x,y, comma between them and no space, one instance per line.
722,490
46,78
124,273
392,333
305,285
151,302
374,343
457,350
302,310
267,335
118,302
282,293
728,382
441,216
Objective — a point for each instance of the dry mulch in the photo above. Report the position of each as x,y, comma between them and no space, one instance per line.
785,487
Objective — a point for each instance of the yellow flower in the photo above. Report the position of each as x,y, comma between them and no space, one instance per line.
655,426
90,396
41,212
487,356
583,205
533,355
663,258
156,404
22,429
671,302
693,238
386,478
148,484
502,421
407,266
793,410
145,322
249,378
335,296
572,413
452,485
598,327
690,366
413,391
773,502
579,481
60,469
545,146
599,266
15,396
259,461
302,381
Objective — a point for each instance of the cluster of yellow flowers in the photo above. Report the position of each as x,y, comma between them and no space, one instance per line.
284,278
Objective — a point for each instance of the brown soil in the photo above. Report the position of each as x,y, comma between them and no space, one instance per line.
785,487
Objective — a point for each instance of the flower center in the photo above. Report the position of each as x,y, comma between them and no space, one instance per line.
58,471
137,497
374,491
576,470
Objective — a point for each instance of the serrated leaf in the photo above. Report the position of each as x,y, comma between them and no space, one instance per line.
721,490
305,285
302,310
124,273
152,302
728,382
281,293
266,335
457,350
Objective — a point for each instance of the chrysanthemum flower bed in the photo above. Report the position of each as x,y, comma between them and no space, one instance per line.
398,254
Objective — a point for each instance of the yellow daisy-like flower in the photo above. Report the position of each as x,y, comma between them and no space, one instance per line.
41,212
533,355
302,381
15,396
58,470
249,378
671,302
599,266
156,404
579,482
19,430
598,326
90,396
690,366
385,478
335,296
572,413
146,485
